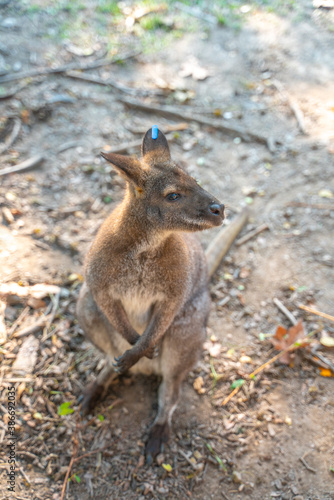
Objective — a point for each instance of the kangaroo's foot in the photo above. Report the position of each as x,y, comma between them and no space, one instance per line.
96,390
159,436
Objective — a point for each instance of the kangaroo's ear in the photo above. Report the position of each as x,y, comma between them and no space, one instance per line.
155,146
129,168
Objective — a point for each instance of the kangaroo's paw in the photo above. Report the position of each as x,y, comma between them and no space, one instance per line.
93,393
153,352
158,437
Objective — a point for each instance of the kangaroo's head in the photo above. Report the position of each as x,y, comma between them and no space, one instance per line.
162,191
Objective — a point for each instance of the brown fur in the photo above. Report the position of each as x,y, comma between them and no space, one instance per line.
146,299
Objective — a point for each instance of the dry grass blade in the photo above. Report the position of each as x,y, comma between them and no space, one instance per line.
317,313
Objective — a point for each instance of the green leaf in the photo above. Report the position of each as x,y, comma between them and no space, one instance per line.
100,417
64,409
78,480
167,467
107,199
237,383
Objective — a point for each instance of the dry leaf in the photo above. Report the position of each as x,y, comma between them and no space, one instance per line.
283,339
214,349
198,385
26,357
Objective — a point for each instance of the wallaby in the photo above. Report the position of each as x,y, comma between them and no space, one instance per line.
145,298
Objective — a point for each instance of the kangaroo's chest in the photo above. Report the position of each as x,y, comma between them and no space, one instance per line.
138,290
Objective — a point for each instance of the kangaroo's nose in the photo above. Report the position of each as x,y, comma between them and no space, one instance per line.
216,209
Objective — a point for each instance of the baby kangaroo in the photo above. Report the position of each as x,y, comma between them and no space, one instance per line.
145,299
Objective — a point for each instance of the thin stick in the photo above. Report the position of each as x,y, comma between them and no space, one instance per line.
317,313
25,476
293,105
285,311
24,166
40,323
12,137
230,396
74,454
91,453
69,67
111,83
291,348
174,113
320,206
251,234
306,465
19,320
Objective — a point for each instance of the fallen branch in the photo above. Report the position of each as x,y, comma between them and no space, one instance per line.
68,67
251,234
221,244
317,313
12,137
111,83
33,162
174,114
285,311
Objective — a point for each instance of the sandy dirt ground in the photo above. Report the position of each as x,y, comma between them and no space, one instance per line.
271,78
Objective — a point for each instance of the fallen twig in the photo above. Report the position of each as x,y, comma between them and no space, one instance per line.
174,113
40,323
292,347
74,454
306,465
285,311
251,234
293,105
111,83
25,476
69,67
215,251
12,137
33,162
317,313
92,452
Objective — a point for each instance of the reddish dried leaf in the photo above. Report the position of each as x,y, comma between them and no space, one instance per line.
283,339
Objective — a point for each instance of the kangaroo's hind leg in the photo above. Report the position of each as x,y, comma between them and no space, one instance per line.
181,349
100,332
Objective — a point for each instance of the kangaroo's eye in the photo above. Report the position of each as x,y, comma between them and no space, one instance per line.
173,196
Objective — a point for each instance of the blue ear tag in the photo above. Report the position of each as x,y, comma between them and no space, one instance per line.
155,131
